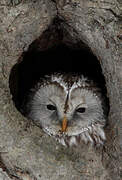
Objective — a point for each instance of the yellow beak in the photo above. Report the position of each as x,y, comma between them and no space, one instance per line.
64,124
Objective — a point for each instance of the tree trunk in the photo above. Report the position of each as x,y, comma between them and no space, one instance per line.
26,152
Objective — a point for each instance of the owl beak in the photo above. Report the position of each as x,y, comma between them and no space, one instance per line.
64,124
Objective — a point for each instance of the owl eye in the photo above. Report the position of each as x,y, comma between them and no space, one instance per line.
51,107
81,110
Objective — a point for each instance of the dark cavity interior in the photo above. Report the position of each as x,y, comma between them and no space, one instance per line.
48,55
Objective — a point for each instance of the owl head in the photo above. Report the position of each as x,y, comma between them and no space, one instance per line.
69,108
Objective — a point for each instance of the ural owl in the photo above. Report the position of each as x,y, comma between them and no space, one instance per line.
70,108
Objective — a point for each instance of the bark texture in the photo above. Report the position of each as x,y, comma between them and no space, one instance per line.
25,151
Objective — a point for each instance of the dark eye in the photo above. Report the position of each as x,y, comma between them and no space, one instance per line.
81,110
51,107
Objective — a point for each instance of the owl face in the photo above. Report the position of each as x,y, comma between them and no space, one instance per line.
69,111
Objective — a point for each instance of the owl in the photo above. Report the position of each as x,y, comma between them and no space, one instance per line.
70,108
